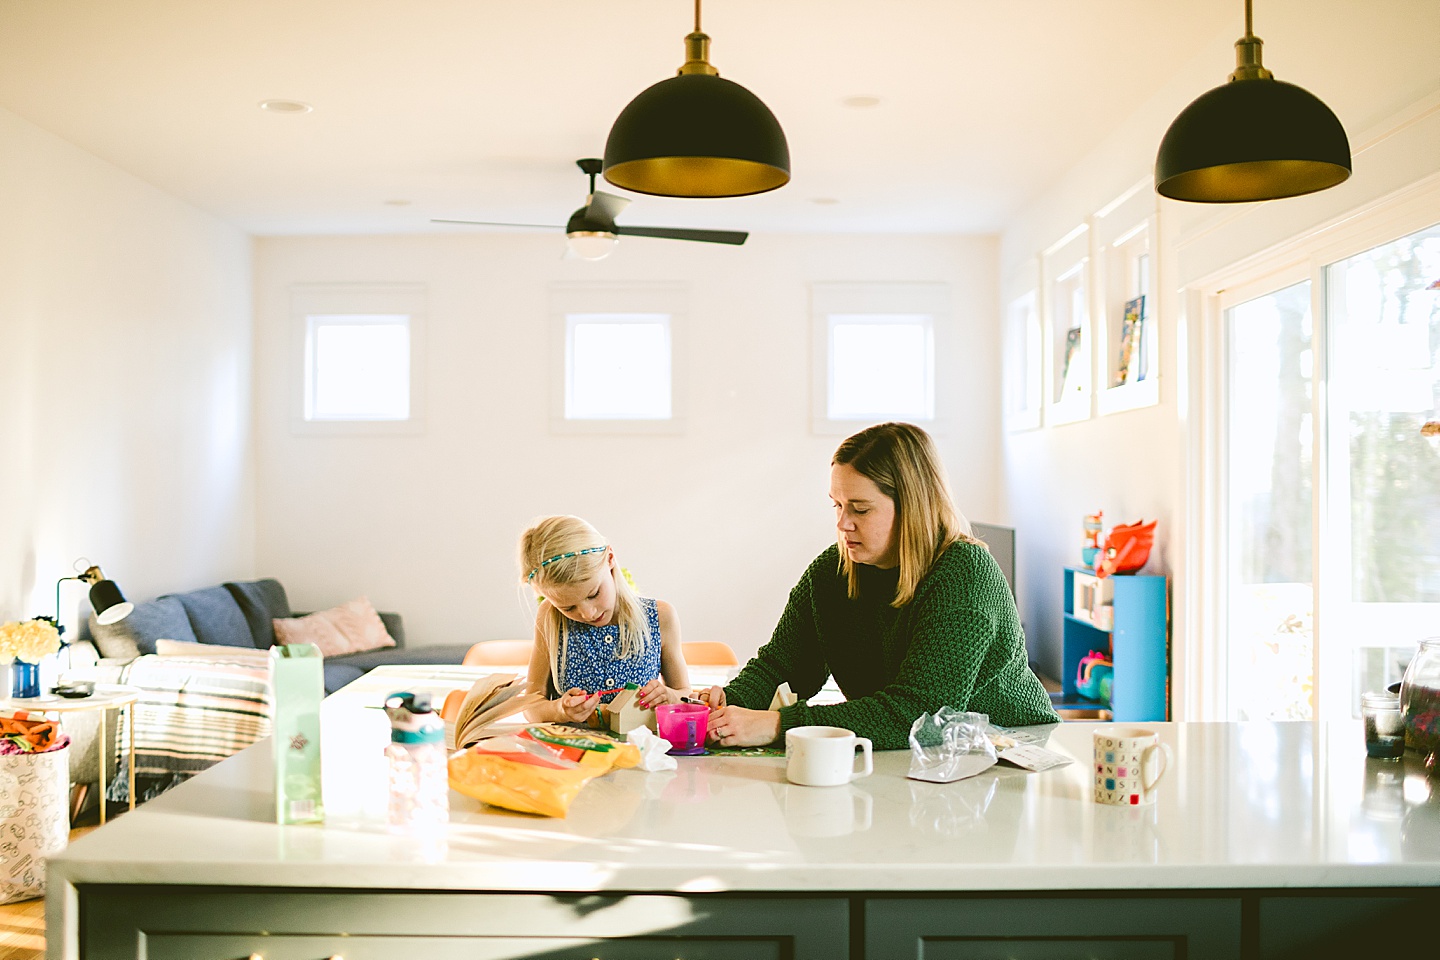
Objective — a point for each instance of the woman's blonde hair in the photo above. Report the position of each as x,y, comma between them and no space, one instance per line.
902,461
560,551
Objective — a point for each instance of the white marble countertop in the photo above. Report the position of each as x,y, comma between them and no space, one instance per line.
1257,805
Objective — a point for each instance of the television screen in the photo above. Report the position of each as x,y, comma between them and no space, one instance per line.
1001,541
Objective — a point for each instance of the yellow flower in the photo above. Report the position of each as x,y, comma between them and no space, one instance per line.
28,640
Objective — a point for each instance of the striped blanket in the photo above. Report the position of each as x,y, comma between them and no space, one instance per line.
194,712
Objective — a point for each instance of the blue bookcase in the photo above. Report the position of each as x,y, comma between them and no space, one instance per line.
1137,642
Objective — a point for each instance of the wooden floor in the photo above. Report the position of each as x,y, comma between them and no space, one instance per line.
22,925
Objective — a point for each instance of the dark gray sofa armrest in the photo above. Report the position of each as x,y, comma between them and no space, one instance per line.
395,626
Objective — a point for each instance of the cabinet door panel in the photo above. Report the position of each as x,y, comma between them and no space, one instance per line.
1093,928
195,923
1322,925
1097,948
244,947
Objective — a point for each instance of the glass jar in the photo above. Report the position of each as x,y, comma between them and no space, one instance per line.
1420,698
1384,730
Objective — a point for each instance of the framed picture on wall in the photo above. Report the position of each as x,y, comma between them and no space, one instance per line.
1131,366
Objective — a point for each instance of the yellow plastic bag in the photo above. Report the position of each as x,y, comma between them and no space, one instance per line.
537,771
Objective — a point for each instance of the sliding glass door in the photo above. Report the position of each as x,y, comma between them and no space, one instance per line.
1332,494
1382,568
1270,505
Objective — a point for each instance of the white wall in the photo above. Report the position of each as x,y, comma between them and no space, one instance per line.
1374,64
124,380
720,519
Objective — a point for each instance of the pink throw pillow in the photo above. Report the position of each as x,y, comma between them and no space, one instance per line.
349,628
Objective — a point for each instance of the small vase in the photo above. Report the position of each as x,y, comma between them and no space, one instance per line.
24,679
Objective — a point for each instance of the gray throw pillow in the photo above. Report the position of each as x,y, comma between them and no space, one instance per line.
216,617
136,634
261,602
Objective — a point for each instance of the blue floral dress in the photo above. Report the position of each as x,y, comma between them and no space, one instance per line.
592,659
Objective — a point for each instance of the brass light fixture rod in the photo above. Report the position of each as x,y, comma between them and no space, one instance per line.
1247,52
697,51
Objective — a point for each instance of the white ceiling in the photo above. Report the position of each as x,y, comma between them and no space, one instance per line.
478,108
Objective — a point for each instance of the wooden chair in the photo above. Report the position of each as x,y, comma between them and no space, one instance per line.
503,653
709,653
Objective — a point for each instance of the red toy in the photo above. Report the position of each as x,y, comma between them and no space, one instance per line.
1126,549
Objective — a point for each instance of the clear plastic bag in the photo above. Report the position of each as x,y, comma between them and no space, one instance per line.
950,745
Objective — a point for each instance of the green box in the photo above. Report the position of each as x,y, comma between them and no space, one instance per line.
298,680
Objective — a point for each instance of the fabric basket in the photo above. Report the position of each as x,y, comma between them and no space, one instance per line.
34,819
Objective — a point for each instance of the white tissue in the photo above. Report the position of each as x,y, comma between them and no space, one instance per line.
654,750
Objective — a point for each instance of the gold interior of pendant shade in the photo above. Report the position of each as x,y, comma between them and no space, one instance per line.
697,176
1254,180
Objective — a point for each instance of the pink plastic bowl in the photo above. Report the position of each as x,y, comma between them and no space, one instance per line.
683,724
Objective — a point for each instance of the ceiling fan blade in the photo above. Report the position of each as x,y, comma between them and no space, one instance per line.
681,233
492,223
605,207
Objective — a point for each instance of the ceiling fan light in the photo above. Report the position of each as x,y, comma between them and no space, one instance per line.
1252,139
591,244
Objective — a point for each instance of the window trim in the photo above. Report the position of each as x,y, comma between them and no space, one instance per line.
622,299
309,300
877,299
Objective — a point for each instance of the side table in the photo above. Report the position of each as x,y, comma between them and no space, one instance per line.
107,697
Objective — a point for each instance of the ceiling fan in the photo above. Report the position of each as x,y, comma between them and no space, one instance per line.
592,233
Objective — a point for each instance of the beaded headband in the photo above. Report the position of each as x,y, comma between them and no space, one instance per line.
565,556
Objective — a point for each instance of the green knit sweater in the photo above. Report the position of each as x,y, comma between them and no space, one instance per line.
957,642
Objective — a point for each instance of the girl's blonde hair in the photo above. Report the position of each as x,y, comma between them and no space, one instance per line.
902,461
560,551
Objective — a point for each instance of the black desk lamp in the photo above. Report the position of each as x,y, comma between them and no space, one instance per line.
109,603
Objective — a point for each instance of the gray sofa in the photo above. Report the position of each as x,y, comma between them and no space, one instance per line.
240,614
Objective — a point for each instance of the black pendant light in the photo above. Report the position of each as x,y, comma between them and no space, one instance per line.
696,135
1255,138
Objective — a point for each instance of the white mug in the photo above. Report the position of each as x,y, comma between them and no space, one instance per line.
1129,762
824,756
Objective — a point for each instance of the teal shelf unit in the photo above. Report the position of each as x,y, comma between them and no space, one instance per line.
1137,645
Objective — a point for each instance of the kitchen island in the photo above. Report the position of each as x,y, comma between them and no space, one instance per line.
1268,839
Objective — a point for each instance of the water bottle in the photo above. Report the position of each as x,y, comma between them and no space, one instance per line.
419,780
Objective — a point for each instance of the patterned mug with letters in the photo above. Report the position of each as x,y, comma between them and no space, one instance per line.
1129,762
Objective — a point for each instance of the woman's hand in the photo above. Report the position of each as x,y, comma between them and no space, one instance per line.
715,697
654,693
576,705
739,727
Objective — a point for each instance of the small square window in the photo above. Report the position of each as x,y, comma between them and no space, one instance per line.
875,348
617,367
882,367
357,367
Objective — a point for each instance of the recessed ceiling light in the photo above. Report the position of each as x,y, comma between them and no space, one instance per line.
285,106
862,101
397,203
824,201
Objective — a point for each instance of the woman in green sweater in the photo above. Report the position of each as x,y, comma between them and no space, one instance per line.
907,611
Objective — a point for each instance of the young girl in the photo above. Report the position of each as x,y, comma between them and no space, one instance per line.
592,633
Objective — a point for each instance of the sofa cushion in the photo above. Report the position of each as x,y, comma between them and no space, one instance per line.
348,628
216,617
370,659
337,674
261,602
136,634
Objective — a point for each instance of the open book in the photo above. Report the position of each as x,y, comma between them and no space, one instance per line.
492,698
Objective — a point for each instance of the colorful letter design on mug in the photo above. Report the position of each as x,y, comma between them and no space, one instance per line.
1129,762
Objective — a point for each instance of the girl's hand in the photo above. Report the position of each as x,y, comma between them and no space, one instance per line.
576,705
739,727
715,697
654,693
